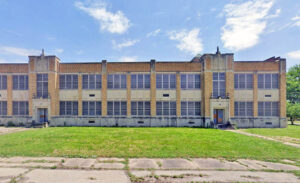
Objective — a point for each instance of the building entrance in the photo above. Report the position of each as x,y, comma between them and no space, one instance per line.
218,116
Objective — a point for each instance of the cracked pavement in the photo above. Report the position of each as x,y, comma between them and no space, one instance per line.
79,170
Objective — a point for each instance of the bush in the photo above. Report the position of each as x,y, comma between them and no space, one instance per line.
10,124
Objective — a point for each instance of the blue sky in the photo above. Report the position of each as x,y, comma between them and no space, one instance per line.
140,30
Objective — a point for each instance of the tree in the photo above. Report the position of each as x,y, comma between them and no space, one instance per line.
293,84
293,111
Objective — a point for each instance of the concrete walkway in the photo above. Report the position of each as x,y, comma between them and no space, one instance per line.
5,130
79,170
264,137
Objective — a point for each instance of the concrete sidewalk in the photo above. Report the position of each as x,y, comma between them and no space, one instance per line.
77,170
265,137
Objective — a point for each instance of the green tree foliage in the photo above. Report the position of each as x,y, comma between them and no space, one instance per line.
293,111
293,93
293,84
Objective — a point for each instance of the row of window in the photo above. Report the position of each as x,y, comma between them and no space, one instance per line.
264,108
142,108
142,81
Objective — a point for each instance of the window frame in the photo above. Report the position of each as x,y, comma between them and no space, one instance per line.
73,110
262,108
96,82
122,108
96,110
3,82
166,81
184,81
185,107
135,82
274,81
63,84
17,106
238,109
146,111
170,110
116,80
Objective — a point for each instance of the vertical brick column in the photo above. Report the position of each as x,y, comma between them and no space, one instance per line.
128,94
80,95
104,88
178,99
153,88
31,92
53,91
255,98
207,92
282,90
230,91
9,95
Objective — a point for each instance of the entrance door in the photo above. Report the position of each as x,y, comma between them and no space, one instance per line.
43,115
218,115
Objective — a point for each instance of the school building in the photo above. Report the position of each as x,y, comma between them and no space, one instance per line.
209,90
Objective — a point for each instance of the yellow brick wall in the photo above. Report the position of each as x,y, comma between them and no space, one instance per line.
32,91
104,94
178,100
230,90
80,95
207,93
128,94
255,97
153,94
9,95
282,93
54,92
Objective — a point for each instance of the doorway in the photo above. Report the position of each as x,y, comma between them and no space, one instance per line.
218,116
43,115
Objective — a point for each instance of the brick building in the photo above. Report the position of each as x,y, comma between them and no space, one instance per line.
209,90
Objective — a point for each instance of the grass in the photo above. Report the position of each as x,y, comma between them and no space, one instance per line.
142,142
289,134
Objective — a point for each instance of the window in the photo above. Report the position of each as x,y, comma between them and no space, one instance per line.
140,108
190,81
68,108
42,85
68,81
268,81
243,108
165,81
20,82
190,108
268,108
20,108
116,81
117,108
91,108
3,108
140,81
243,81
167,108
91,81
219,86
3,82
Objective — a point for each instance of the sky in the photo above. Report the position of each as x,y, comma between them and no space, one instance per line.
141,30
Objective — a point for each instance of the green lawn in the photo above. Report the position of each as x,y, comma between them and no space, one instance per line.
289,134
141,142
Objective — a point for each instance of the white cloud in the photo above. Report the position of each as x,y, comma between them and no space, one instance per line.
153,33
128,59
296,21
294,54
245,23
59,50
188,40
124,44
8,50
112,22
